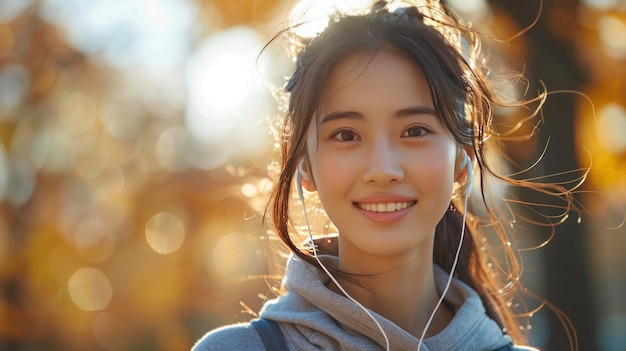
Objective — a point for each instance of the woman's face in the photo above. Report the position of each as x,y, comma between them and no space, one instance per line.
381,160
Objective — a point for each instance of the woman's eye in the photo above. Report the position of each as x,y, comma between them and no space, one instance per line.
415,131
345,135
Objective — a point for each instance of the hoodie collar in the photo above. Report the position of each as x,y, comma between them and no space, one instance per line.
314,314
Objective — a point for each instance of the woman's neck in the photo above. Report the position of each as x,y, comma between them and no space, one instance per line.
401,289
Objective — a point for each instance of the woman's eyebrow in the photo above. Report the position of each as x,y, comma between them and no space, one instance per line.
417,110
410,111
339,115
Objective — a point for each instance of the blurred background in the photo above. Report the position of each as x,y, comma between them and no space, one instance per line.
134,152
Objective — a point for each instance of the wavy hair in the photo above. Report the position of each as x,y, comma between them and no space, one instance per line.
450,56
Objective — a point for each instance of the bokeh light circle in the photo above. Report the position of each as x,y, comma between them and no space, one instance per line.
90,289
612,122
165,233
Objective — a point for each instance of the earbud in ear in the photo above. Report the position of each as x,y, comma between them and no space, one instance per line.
304,177
467,165
299,182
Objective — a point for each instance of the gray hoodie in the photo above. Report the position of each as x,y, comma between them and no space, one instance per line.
313,317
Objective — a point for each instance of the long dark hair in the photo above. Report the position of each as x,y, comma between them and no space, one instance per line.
449,55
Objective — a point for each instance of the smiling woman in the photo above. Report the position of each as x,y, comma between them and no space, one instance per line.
388,113
379,142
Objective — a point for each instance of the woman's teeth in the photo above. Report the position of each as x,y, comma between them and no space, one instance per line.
383,206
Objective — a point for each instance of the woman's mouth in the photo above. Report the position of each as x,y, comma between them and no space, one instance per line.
384,206
386,211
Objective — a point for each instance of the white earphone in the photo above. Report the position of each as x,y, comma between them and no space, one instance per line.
299,182
467,164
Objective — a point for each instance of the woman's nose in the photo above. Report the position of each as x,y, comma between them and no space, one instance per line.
383,164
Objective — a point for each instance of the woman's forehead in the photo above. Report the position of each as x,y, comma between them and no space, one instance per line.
385,73
352,64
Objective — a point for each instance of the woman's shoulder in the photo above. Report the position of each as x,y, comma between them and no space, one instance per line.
242,336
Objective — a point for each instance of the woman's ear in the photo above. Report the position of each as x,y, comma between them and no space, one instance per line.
305,174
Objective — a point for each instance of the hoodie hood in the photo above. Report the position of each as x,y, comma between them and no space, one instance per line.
315,317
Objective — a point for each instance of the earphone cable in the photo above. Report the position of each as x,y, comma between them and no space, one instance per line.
334,280
450,277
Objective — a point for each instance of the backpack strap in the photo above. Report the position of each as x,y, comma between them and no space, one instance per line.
270,333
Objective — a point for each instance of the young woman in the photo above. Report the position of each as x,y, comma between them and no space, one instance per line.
389,114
